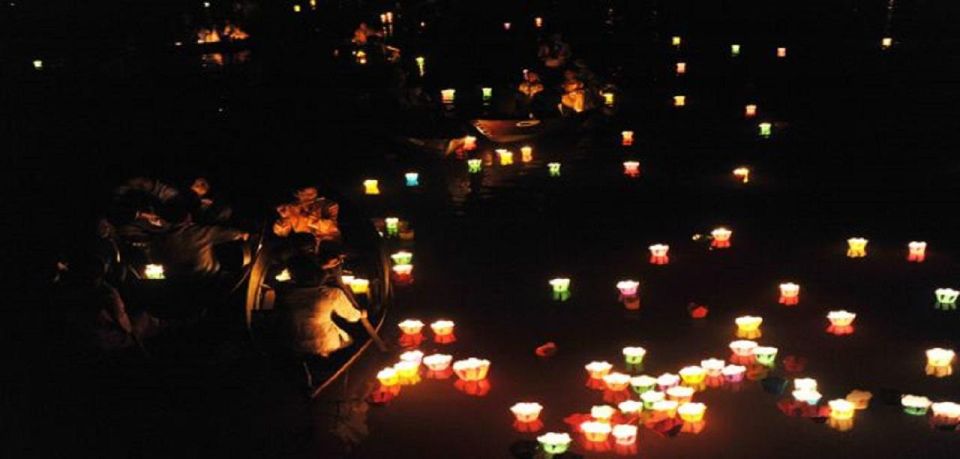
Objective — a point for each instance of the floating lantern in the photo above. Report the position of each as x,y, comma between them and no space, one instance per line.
679,101
666,407
602,413
940,362
437,363
407,372
841,409
412,356
526,153
750,111
626,138
284,276
486,94
805,384
781,52
946,298
915,405
38,64
693,375
748,327
421,65
650,397
402,257
765,355
857,247
393,225
410,326
680,394
743,348
538,22
721,238
596,371
667,380
608,98
561,288
154,272
681,68
643,383
371,186
692,412
413,179
630,407
360,286
860,399
765,129
631,168
526,412
658,254
388,377
916,251
734,50
634,354
840,322
946,413
347,279
402,274
555,443
596,432
734,373
808,396
506,26
506,156
742,173
474,165
469,143
628,288
789,294
361,57
625,434
296,8
554,169
471,369
713,367
616,382
443,331
676,41
447,96
886,42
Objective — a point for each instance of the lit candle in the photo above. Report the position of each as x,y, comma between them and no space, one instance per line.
643,383
666,407
443,331
506,156
650,397
676,41
526,412
840,322
554,169
360,286
447,96
915,405
437,362
765,355
857,247
630,407
679,101
841,409
808,396
713,367
625,434
402,257
658,254
602,413
721,238
946,298
413,179
886,42
742,173
411,326
667,380
748,327
789,294
626,138
616,382
284,276
487,94
608,99
526,153
692,412
634,354
693,375
680,394
153,272
388,377
781,52
631,168
681,68
421,65
916,251
940,362
371,186
555,443
596,432
734,50
469,143
946,413
750,111
471,369
38,64
474,165
538,22
765,129
734,373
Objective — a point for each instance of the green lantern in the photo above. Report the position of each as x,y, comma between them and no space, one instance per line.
487,94
766,129
474,165
734,50
766,356
554,169
946,298
554,443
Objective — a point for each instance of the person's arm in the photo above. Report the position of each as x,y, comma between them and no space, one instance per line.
342,306
117,311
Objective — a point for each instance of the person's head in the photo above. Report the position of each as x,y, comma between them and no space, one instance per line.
532,77
200,186
307,194
304,270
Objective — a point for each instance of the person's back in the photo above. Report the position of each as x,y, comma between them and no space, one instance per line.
187,249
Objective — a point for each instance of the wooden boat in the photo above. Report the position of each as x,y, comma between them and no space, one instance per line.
520,130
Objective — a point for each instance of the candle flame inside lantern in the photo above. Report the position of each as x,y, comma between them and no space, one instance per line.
681,68
608,99
447,96
616,382
857,247
526,412
781,52
371,186
766,129
388,377
658,254
750,111
154,272
789,294
946,298
506,156
748,327
526,153
625,434
886,42
841,409
915,404
631,168
692,412
630,407
628,288
437,362
734,50
471,369
596,432
554,442
916,251
626,138
676,40
554,169
679,101
411,326
721,238
602,413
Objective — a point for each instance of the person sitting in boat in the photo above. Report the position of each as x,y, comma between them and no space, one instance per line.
234,33
363,33
208,36
187,249
531,85
306,311
555,52
311,213
573,93
210,210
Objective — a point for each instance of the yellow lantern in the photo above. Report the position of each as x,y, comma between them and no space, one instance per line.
296,8
676,40
679,101
360,286
693,375
526,412
857,247
630,407
940,362
421,65
748,327
841,409
625,434
388,377
666,407
447,96
154,272
742,173
608,98
371,186
37,64
284,276
886,42
692,412
469,143
506,156
407,372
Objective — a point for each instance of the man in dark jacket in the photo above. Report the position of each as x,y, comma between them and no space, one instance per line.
187,249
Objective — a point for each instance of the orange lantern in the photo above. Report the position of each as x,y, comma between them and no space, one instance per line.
781,52
681,68
597,370
596,432
680,394
692,412
667,408
631,169
742,173
630,407
940,362
526,154
616,382
679,101
857,247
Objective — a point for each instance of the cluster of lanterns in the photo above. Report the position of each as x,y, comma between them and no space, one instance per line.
412,332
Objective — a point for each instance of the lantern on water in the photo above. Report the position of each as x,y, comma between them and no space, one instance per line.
437,363
667,380
886,42
471,369
805,384
857,247
602,413
841,409
421,65
526,153
284,276
721,238
940,362
631,168
781,52
506,26
750,111
625,434
634,354
402,257
679,101
554,169
734,50
412,178
658,254
393,225
628,288
560,285
474,165
538,22
616,382
608,98
915,405
411,327
371,186
650,397
742,173
666,407
916,251
598,370
153,272
486,94
555,443
407,372
469,143
296,8
808,396
946,298
789,294
713,367
676,40
693,375
748,327
765,355
443,331
447,96
38,64
506,156
692,412
403,274
840,322
680,394
388,377
681,68
643,383
360,286
630,407
626,138
526,412
596,432
766,129
860,399
946,413
743,348
734,373
412,356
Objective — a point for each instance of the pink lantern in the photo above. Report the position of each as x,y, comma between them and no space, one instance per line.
628,287
658,254
734,373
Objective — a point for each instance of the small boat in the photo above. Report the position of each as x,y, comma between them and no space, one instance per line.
520,130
